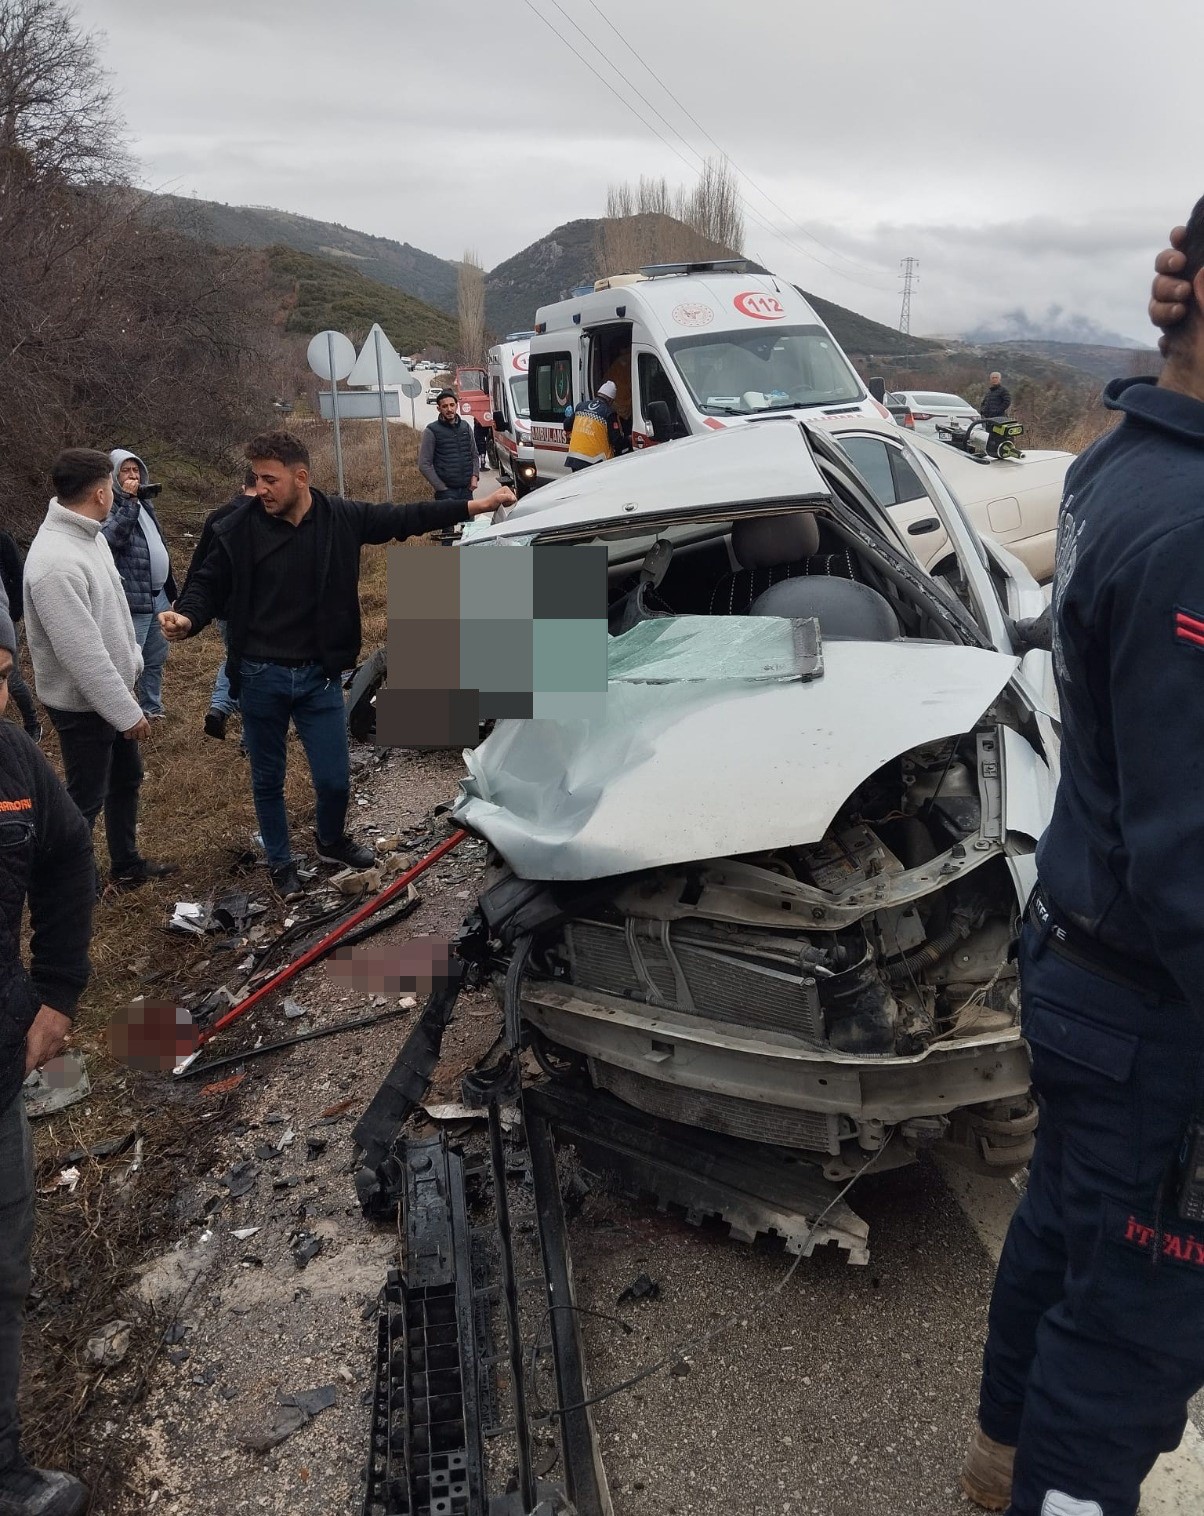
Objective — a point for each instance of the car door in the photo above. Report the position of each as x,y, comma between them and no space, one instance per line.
884,466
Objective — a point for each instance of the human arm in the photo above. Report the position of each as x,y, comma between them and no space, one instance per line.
60,601
205,596
1156,687
426,460
62,893
1005,400
119,525
394,523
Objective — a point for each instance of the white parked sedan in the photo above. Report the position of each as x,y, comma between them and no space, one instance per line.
1015,501
922,411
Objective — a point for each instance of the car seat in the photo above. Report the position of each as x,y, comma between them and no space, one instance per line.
771,550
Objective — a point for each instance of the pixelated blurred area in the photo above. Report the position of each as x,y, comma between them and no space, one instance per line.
478,635
152,1035
415,967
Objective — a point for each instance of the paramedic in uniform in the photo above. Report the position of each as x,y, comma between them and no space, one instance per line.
1095,1337
597,432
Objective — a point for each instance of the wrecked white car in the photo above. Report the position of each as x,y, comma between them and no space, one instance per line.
768,890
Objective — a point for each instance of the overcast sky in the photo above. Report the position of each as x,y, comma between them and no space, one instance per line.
1030,155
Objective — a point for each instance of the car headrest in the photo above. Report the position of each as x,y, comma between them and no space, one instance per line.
771,541
846,611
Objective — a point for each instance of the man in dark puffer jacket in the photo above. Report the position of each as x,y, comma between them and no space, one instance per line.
45,857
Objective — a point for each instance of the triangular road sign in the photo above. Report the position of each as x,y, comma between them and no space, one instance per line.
364,371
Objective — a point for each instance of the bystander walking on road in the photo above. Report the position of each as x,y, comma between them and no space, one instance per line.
447,454
45,859
222,704
1096,1329
12,599
86,659
140,553
283,570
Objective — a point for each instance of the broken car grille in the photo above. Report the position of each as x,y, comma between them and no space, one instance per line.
667,965
777,1124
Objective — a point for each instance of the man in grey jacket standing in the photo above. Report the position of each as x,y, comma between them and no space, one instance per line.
86,659
447,454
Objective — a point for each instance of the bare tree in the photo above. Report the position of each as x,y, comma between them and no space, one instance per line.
470,302
650,222
112,329
56,112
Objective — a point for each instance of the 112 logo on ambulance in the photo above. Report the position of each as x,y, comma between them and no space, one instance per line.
760,306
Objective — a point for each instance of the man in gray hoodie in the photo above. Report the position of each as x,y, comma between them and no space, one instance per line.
140,553
86,659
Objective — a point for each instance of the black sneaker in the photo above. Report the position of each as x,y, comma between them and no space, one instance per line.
34,731
215,724
133,878
26,1491
287,884
346,852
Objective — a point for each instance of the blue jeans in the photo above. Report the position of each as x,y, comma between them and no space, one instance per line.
222,700
271,696
16,1239
149,690
1095,1336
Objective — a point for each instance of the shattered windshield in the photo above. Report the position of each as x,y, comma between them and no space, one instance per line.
692,649
739,373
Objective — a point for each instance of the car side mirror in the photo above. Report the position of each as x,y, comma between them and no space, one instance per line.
877,388
499,422
660,420
923,526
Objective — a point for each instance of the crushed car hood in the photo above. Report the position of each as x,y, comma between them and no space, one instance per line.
678,764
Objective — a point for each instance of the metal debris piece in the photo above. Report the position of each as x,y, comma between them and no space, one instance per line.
358,881
311,1401
287,1420
241,1178
266,1151
61,1082
223,1086
307,1248
243,1232
294,1009
108,1147
642,1287
108,1347
315,1146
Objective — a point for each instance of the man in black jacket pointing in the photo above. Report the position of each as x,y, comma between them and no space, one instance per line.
283,571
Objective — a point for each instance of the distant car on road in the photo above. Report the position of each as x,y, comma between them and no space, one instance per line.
922,410
433,391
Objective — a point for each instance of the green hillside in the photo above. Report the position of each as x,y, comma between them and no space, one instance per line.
317,293
410,269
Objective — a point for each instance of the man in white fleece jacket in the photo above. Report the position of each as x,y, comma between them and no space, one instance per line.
86,659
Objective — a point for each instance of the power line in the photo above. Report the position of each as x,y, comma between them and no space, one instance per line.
869,268
752,211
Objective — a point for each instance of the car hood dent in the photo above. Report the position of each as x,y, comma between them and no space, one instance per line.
676,771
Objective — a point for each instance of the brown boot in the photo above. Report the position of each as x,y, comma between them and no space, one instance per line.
986,1476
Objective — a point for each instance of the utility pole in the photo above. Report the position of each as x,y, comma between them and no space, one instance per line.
909,266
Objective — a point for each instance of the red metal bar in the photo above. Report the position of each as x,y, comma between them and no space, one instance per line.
370,907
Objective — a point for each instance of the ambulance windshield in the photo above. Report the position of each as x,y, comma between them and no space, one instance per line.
518,388
738,373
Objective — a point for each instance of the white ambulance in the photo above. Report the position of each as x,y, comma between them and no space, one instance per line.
689,347
514,453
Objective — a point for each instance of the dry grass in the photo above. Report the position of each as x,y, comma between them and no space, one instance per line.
196,811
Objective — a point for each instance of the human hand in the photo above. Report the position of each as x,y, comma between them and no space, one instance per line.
503,495
138,733
1169,294
175,627
46,1038
476,479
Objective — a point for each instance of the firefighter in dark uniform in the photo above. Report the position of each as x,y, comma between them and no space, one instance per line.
1096,1330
